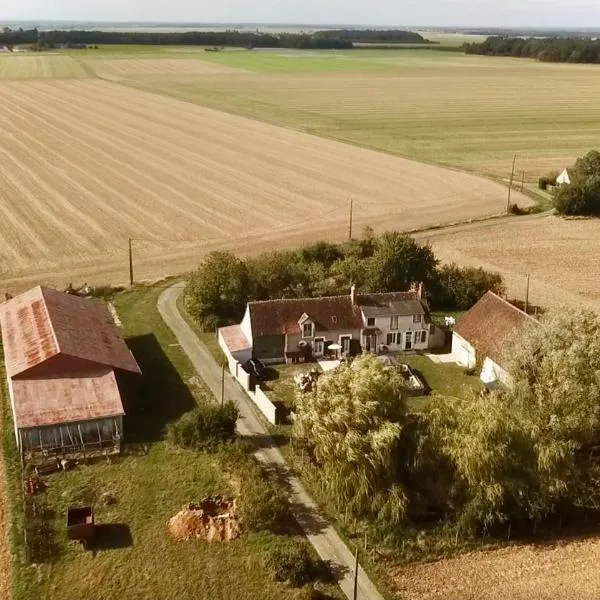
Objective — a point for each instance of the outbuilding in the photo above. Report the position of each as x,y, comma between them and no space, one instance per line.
480,338
63,354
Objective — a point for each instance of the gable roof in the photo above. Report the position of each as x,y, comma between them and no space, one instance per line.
280,317
42,323
393,303
490,324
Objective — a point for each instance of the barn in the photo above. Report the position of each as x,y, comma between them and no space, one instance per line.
63,355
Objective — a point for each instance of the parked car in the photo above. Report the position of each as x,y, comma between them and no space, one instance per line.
256,368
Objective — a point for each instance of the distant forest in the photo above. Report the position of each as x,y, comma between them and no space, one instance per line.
574,50
320,40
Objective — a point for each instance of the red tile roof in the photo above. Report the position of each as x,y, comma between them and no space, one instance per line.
43,323
490,324
280,317
235,338
66,399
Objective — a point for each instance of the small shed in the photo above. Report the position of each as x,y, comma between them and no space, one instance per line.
564,178
63,355
483,334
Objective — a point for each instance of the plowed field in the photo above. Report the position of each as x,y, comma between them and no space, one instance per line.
124,68
42,66
85,165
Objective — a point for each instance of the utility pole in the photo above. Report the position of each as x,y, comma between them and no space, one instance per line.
512,177
355,595
527,294
222,384
351,215
130,264
523,181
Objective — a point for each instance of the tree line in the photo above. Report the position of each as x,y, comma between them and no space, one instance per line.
554,49
217,292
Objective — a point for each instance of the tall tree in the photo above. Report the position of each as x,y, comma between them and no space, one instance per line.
352,425
217,292
398,261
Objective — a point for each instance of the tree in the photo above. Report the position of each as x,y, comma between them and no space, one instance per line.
523,455
461,287
398,261
278,275
351,425
582,195
216,294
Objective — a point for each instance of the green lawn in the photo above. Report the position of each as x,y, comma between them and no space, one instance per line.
151,481
281,387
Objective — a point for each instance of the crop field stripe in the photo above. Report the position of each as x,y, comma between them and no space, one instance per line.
42,66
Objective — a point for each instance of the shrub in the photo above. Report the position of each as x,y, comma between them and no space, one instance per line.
515,209
205,427
291,562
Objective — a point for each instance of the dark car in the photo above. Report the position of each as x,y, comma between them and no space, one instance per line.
256,368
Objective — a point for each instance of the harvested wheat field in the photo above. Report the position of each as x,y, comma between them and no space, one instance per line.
39,67
85,165
565,571
123,68
561,255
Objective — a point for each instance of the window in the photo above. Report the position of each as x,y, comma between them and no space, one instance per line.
394,323
422,338
371,322
417,318
307,330
319,345
394,339
408,345
345,343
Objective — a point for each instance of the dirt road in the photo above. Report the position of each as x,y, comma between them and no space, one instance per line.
321,535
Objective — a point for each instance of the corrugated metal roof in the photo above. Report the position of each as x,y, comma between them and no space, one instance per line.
66,399
42,323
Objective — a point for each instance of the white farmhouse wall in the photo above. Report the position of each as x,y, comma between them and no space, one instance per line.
246,326
266,407
464,353
405,323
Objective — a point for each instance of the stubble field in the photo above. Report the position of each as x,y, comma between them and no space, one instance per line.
40,66
85,165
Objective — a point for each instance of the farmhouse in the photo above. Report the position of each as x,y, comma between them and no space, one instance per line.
297,330
62,354
564,178
480,337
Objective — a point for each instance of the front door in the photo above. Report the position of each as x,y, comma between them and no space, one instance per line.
345,344
408,340
371,342
319,346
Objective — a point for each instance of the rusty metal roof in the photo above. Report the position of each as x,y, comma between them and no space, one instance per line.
66,399
42,323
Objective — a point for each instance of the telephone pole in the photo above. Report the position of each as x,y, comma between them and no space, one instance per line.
527,294
355,595
130,264
222,384
512,177
351,215
523,181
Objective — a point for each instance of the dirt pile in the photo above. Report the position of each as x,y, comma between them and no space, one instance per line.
214,519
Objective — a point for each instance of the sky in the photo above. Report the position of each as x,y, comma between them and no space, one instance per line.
489,13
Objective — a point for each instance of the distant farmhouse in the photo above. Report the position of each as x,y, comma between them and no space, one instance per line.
482,335
565,177
299,330
62,356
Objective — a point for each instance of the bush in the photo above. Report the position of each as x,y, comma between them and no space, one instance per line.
205,427
291,562
515,209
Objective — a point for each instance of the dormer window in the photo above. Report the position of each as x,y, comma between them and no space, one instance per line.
308,330
417,318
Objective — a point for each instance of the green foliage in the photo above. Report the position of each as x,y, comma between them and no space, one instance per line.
352,425
398,261
291,562
280,274
523,455
461,287
216,294
582,195
205,427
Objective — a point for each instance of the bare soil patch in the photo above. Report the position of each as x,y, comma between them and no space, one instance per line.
568,571
86,165
214,519
116,69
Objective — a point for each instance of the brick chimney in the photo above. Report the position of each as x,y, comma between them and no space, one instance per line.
353,294
418,289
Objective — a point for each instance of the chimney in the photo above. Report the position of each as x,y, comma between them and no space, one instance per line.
353,294
420,290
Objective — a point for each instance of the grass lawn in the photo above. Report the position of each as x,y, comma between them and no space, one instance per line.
151,482
281,385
